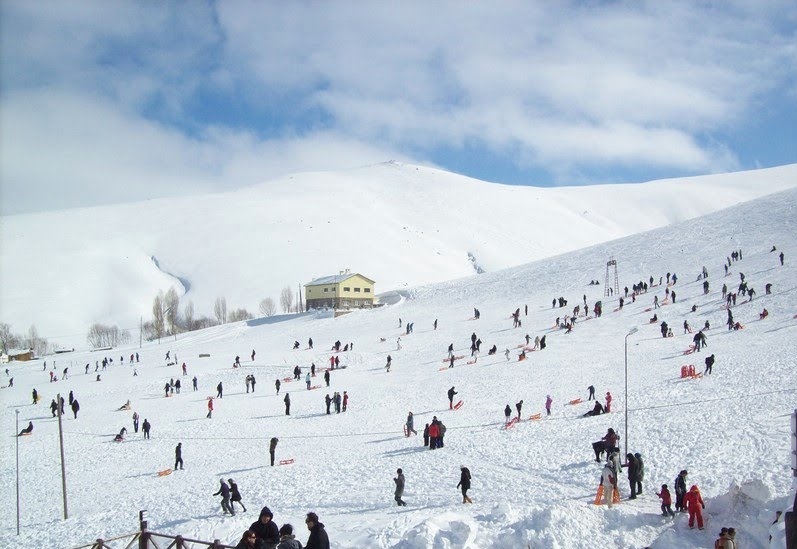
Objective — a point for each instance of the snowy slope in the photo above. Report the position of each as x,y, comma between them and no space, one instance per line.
400,225
532,485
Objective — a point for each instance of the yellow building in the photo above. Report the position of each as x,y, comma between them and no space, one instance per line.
340,291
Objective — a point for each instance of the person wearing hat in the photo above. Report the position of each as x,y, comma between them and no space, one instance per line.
287,539
318,536
680,491
464,483
265,529
694,505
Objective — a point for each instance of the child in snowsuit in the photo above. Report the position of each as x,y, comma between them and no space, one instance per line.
694,505
666,501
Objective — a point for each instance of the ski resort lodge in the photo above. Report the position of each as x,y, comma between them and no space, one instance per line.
341,291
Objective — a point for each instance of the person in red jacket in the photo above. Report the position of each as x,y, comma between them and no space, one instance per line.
694,505
434,434
666,501
608,406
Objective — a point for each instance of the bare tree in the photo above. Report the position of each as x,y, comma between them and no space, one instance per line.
286,299
7,339
171,309
188,314
220,310
107,336
158,317
267,307
33,341
239,314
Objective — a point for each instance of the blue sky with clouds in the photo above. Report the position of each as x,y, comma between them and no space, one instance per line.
116,101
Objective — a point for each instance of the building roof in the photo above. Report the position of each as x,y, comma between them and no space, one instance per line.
334,279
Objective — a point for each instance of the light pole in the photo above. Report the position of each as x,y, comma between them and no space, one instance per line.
17,472
631,332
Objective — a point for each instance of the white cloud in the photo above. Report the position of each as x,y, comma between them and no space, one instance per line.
557,87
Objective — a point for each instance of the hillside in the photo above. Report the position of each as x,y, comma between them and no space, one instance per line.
533,485
398,224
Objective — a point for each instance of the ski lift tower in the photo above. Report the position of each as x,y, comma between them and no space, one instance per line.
611,284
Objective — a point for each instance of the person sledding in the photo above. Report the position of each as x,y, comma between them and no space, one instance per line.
125,406
596,410
27,430
121,436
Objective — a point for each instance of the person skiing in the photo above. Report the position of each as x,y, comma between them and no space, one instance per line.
464,483
235,495
693,502
224,491
318,538
272,449
178,455
399,480
451,393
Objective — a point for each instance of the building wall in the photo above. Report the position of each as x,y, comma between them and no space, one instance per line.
355,291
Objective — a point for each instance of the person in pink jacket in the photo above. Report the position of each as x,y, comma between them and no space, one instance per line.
694,505
608,406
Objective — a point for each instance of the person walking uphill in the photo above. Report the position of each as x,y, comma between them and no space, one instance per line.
265,529
694,505
399,480
464,483
318,535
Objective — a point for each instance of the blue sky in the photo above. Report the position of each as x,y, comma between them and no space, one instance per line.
111,102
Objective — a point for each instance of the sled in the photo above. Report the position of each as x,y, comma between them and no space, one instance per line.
455,358
690,350
443,369
510,424
24,434
164,472
575,401
286,461
470,362
315,387
287,379
648,309
458,405
599,495
535,417
520,358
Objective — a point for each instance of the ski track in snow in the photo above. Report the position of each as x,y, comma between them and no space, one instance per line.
533,485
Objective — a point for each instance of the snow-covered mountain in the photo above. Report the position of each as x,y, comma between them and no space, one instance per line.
533,484
401,225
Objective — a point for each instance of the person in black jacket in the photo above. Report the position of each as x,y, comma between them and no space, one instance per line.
633,473
145,427
178,456
399,480
451,393
235,495
318,536
464,483
224,491
265,529
287,401
272,448
75,407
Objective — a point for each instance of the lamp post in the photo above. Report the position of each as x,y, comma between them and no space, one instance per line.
631,332
17,471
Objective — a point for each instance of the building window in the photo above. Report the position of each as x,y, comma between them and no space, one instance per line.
346,289
326,290
356,290
368,290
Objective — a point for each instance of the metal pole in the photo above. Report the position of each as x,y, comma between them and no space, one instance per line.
17,472
63,465
631,332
